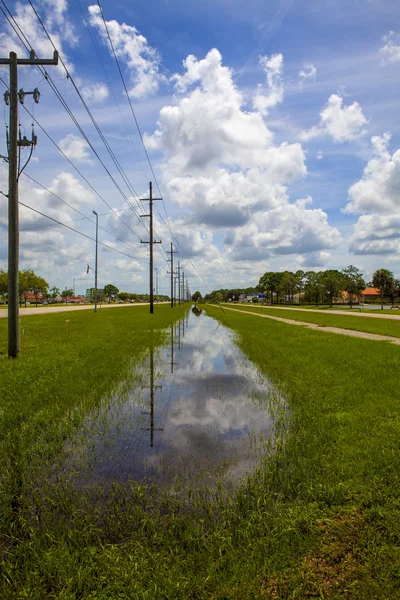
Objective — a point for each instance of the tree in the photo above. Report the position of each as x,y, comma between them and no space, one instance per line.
218,297
30,282
332,283
3,282
66,293
196,296
124,296
110,291
54,292
383,279
353,282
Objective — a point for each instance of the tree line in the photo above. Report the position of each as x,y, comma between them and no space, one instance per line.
29,282
313,287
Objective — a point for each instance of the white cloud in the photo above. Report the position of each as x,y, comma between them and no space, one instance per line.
390,52
59,28
378,190
341,123
208,126
287,229
76,148
221,164
273,68
141,59
95,93
309,71
314,259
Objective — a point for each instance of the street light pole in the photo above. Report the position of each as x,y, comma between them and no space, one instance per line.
95,265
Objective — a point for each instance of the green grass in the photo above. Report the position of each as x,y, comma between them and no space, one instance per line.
319,518
373,325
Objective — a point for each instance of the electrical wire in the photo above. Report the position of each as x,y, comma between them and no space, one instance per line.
81,233
51,83
97,127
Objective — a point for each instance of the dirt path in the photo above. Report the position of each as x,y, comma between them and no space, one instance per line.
69,307
349,332
333,312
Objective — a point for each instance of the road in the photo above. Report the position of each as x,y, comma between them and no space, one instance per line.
40,310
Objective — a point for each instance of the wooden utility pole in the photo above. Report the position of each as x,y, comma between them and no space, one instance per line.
151,242
183,286
153,388
11,98
171,260
179,282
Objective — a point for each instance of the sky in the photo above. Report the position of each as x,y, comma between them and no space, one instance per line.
269,129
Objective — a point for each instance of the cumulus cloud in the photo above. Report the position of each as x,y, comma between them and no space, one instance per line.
60,30
132,48
378,190
95,93
208,125
222,164
308,72
287,229
390,52
273,68
76,148
314,259
341,123
377,194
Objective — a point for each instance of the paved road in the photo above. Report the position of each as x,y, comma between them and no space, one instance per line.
40,310
350,332
332,312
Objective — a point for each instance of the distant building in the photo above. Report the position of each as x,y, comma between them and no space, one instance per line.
371,293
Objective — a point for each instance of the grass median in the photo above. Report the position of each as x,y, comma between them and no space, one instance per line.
319,517
379,326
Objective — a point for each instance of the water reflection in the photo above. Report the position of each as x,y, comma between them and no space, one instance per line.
198,409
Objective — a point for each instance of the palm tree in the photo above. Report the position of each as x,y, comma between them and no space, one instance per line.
382,279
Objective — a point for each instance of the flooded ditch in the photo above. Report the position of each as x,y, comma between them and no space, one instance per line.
198,411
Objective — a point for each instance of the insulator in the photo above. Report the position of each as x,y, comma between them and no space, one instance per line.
21,95
7,97
36,95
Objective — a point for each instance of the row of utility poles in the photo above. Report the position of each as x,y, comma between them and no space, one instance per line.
15,143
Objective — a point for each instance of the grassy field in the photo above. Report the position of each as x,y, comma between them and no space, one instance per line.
319,518
373,325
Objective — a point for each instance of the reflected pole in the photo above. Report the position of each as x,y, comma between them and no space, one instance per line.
95,264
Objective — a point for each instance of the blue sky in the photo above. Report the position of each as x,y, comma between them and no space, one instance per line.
272,128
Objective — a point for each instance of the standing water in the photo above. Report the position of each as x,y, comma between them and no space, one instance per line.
198,410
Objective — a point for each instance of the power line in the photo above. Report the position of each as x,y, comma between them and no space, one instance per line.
72,116
81,233
97,127
76,210
111,87
79,172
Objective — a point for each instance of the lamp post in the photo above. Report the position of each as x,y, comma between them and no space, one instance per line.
95,264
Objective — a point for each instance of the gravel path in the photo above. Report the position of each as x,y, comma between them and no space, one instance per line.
350,332
335,312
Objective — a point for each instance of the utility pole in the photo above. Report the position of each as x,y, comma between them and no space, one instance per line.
95,265
183,286
151,242
179,282
157,283
153,388
171,260
11,97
